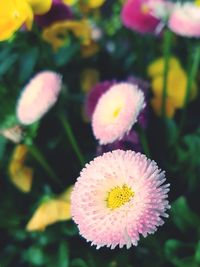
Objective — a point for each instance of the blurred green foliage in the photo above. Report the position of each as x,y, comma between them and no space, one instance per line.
122,53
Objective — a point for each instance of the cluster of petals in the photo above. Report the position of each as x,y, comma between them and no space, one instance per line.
137,15
185,20
14,14
141,212
38,96
116,112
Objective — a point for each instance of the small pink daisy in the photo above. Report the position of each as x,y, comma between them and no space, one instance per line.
185,20
117,197
116,112
38,97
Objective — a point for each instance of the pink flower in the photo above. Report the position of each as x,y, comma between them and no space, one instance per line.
38,97
94,94
117,197
116,112
185,20
137,15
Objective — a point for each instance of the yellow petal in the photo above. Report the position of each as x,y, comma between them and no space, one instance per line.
157,66
70,2
66,195
20,153
89,50
40,7
47,213
156,103
20,175
95,3
13,14
22,179
89,77
57,33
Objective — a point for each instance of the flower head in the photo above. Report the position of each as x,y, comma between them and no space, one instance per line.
116,112
117,197
176,86
94,94
56,34
13,14
38,97
185,20
137,15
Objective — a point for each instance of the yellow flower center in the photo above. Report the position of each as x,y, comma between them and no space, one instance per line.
145,9
118,196
197,2
116,112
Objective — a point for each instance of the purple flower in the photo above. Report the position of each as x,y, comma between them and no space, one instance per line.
58,12
130,141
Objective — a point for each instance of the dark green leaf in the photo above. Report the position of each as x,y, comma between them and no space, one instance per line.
182,216
78,263
65,54
8,63
63,255
27,64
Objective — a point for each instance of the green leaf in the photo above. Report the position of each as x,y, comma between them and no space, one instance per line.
63,255
8,63
3,142
65,54
171,132
27,63
183,217
78,263
34,255
31,133
179,253
197,253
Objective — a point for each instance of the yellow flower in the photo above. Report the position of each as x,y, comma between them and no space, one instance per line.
57,33
20,175
157,66
13,14
40,7
51,211
95,3
70,2
176,86
170,109
89,77
90,49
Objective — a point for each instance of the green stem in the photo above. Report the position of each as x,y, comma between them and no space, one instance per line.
167,51
71,138
37,154
192,73
143,140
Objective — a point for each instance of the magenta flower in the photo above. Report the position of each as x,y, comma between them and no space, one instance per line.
137,15
185,20
39,95
116,112
118,197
